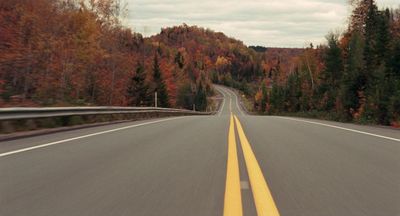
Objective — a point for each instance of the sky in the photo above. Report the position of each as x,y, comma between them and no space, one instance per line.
271,23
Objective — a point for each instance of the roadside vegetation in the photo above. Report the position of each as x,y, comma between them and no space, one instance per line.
354,77
75,52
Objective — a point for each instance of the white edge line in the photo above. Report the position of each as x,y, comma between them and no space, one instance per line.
223,102
230,104
237,104
342,128
222,108
237,101
81,137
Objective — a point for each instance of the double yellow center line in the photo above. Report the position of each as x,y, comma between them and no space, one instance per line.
263,200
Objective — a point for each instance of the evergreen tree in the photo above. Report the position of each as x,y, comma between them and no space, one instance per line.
332,73
352,80
277,99
383,89
383,40
159,87
179,60
370,50
394,82
293,89
264,97
185,96
394,61
201,98
138,88
377,45
359,15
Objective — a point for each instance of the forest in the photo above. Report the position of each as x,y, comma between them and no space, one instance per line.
78,53
73,52
355,76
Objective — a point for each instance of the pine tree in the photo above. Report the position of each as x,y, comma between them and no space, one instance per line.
159,85
293,89
370,35
264,97
383,88
332,73
394,82
201,98
368,77
185,96
359,15
383,40
377,45
352,80
138,88
179,60
277,99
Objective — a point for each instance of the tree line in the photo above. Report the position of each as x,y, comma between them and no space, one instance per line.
77,52
354,77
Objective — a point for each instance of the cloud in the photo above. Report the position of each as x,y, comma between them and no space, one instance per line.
278,23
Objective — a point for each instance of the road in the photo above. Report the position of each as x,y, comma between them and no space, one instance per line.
227,164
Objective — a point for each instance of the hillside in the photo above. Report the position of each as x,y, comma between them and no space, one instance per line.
83,56
202,51
67,53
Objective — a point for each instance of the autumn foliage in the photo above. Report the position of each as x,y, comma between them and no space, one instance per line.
75,52
64,52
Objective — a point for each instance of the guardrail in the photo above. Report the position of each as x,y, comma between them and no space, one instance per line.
23,119
26,113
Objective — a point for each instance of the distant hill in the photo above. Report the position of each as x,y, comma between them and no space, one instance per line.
279,62
259,49
278,50
224,59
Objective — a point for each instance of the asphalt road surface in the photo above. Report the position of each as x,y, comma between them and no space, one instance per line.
228,164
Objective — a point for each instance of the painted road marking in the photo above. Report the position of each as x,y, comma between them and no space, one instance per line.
223,103
237,101
341,128
230,104
85,136
265,204
231,94
233,197
244,185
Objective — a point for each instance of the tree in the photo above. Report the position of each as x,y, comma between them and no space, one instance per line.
159,84
277,98
185,96
393,82
352,81
201,98
359,15
179,60
332,73
264,97
377,44
137,92
293,89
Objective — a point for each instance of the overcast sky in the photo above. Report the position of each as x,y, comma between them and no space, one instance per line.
273,23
